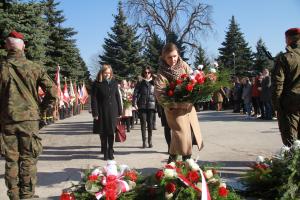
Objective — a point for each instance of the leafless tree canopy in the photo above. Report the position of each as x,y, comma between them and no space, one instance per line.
186,18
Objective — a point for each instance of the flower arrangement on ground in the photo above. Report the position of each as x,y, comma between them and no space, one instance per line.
277,177
186,180
108,182
194,87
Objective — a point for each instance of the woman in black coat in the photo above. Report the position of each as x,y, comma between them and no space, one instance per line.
106,108
144,102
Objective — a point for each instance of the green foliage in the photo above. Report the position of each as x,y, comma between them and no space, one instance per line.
280,179
201,58
153,51
27,19
261,61
235,53
61,48
122,48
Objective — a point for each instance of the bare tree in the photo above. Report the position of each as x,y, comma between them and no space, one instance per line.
187,18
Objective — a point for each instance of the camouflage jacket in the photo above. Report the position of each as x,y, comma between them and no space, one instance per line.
286,79
14,106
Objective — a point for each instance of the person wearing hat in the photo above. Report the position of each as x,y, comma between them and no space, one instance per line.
20,115
286,88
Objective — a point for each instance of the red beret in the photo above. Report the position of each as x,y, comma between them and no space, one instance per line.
292,32
16,34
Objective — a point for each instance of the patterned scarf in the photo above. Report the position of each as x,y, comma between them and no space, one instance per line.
171,73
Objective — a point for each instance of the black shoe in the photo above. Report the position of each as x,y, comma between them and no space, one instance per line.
172,158
144,145
184,158
111,154
105,156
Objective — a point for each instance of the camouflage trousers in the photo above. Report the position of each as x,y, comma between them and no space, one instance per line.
22,147
289,126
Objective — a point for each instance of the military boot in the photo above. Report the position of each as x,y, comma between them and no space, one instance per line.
150,138
144,138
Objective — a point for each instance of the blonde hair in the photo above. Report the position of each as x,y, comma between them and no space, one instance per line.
102,70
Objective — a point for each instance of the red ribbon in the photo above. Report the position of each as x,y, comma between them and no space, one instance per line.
110,188
187,182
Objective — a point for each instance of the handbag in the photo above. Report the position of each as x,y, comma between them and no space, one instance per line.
120,132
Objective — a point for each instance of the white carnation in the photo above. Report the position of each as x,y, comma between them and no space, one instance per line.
296,145
209,174
170,173
260,159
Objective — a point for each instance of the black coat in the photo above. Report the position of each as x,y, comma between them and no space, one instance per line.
106,104
144,95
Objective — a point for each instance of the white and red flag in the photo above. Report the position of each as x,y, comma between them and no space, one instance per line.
84,93
66,97
72,93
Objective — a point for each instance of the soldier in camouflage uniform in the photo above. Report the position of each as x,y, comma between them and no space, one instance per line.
20,115
286,88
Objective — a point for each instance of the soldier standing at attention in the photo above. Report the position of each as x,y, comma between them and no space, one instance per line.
286,88
20,115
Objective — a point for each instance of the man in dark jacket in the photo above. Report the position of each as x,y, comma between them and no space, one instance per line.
20,115
286,88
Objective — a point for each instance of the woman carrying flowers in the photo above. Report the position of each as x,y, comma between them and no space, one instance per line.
181,117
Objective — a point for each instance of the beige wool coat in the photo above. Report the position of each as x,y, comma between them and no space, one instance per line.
182,119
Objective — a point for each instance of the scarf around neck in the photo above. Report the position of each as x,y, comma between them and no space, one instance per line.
171,73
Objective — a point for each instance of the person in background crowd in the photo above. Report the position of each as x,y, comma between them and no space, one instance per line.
255,97
19,117
266,94
144,101
286,88
218,98
237,95
134,119
164,123
127,95
106,108
246,96
181,117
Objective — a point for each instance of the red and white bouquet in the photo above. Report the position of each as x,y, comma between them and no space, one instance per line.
186,180
193,87
106,182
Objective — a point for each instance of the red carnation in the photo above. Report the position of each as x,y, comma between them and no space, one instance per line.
223,192
169,167
170,187
183,76
159,174
193,176
170,93
189,87
93,177
131,175
172,85
178,82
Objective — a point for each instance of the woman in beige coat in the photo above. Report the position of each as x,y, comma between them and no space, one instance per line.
181,117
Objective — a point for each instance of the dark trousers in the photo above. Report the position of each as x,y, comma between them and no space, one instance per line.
237,106
268,110
289,126
126,121
167,132
255,104
108,144
146,116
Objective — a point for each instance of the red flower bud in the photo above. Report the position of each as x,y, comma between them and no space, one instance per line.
189,87
170,187
159,175
172,85
193,176
67,196
223,192
93,177
170,93
183,76
178,82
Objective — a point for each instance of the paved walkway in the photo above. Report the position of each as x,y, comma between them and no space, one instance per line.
69,146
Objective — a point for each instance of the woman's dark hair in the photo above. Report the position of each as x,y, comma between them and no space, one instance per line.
144,71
